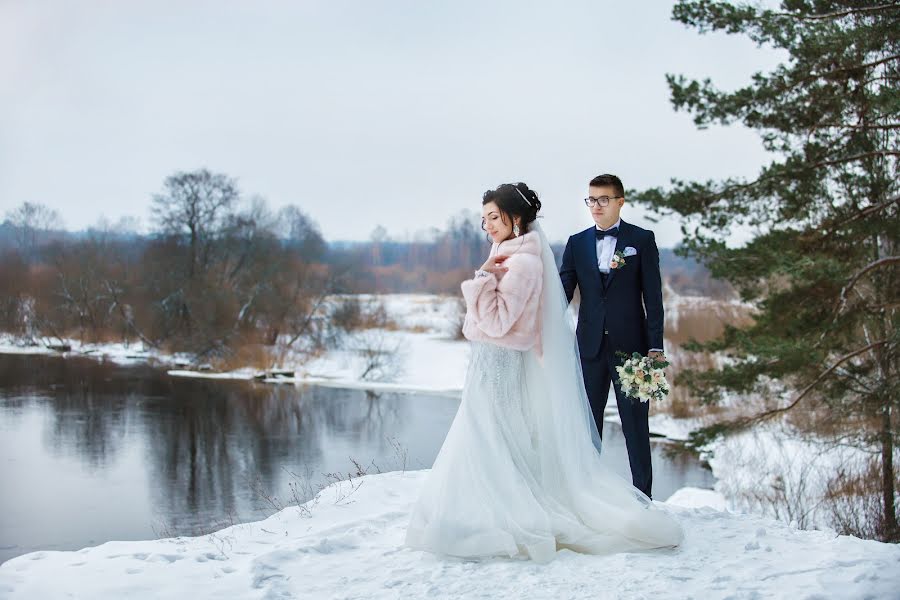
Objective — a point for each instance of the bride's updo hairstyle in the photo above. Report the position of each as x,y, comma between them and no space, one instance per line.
514,200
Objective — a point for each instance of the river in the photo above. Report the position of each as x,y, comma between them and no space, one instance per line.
94,451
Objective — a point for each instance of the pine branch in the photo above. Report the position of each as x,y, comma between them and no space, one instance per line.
887,260
854,158
844,13
878,308
782,172
861,127
766,415
863,214
787,86
873,63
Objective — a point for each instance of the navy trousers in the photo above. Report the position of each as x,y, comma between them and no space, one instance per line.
599,372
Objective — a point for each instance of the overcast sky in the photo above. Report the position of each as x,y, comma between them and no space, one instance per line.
399,113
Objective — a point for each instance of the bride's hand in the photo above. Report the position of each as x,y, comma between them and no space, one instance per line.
494,264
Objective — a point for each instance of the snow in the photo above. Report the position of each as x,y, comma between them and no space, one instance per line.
11,346
118,352
242,374
660,423
424,355
691,497
427,362
348,544
426,358
774,470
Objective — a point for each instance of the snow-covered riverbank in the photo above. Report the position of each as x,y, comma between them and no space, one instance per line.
352,548
117,352
419,352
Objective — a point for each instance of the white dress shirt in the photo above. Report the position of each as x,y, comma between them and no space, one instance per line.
606,248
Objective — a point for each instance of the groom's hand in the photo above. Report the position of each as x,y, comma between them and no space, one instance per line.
655,355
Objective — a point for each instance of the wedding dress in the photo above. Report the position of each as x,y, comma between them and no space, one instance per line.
519,473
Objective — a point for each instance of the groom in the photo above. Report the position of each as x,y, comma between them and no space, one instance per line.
616,267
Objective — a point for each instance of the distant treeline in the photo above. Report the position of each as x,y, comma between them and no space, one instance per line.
217,272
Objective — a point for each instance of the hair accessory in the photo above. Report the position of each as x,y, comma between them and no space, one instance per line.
527,201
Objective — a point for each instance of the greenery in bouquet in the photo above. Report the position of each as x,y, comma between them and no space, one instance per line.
643,378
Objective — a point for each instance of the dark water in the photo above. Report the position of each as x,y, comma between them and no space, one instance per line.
93,451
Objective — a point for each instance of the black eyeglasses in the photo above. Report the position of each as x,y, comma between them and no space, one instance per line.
601,200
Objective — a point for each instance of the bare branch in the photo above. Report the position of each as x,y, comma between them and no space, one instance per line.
124,314
314,309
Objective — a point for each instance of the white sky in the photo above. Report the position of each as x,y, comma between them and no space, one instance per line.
363,112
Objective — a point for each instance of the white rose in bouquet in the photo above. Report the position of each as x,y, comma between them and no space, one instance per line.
642,377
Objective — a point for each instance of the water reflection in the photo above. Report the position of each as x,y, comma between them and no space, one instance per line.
94,451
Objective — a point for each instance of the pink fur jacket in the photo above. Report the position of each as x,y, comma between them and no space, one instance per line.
505,309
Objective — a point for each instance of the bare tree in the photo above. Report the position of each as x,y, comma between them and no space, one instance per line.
196,204
301,233
382,359
30,219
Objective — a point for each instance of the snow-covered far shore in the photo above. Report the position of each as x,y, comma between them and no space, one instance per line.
419,352
348,543
118,352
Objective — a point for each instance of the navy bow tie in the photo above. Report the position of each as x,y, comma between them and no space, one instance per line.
614,232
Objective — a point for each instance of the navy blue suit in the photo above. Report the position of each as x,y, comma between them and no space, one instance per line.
620,312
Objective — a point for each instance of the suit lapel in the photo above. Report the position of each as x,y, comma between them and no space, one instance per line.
590,251
622,241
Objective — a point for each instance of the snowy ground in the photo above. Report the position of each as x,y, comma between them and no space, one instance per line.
424,355
352,548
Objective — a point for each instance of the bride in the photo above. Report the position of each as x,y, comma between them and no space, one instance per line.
519,473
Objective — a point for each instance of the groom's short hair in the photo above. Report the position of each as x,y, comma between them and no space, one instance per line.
610,181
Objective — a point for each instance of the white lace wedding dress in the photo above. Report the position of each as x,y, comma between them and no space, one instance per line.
519,473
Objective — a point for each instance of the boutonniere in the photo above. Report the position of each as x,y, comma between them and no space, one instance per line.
618,260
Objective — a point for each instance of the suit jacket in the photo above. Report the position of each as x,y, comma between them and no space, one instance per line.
628,308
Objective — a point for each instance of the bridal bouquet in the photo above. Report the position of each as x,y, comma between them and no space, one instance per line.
643,378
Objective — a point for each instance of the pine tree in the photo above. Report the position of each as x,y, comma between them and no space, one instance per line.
824,274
